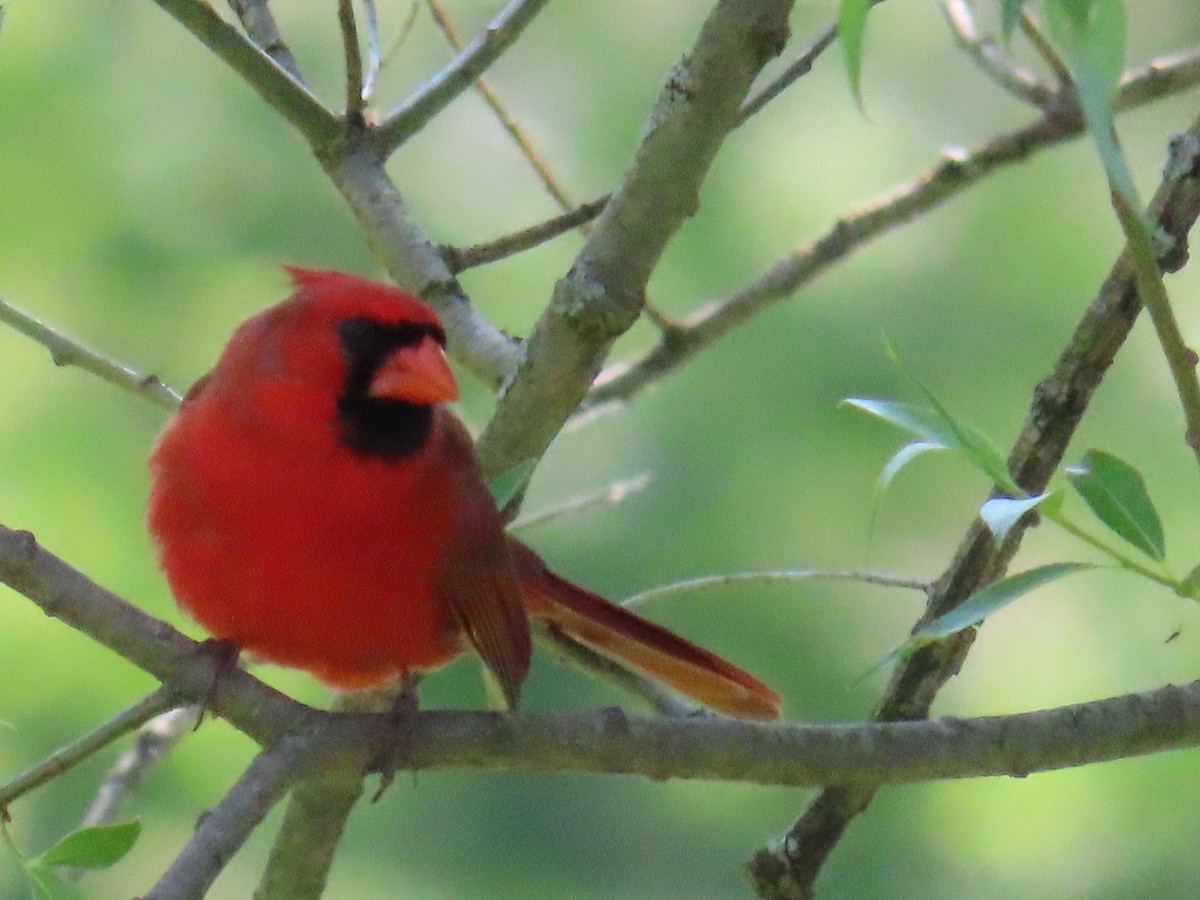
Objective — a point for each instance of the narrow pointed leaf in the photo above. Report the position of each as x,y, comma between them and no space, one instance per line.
93,848
937,426
902,458
507,485
852,28
1002,513
983,603
917,420
1116,494
1091,36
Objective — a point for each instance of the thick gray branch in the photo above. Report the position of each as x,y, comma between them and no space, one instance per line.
708,747
1059,402
602,294
225,827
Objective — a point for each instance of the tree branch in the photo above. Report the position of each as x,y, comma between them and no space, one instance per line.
348,152
510,125
955,173
273,83
67,594
460,258
355,94
437,93
602,294
793,73
66,352
258,20
225,827
77,751
1018,80
150,745
303,742
1059,402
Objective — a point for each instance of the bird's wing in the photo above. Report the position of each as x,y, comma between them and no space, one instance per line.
477,579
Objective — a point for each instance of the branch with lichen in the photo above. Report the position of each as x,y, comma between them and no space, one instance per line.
951,176
788,868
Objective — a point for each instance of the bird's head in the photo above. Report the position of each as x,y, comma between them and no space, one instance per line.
365,353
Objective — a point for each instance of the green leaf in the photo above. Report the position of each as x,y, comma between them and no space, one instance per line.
1115,492
507,486
1091,36
852,27
1010,14
46,884
1002,513
93,848
983,603
902,458
936,426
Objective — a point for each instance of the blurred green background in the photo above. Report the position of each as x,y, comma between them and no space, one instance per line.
147,199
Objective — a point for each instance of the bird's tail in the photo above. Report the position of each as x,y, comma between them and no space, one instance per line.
633,641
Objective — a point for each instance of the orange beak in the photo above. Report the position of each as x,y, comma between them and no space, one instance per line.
419,374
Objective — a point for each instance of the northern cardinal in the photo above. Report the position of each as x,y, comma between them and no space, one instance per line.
315,503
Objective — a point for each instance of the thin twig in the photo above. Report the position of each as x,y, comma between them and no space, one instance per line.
573,506
290,97
789,868
1018,80
1049,55
601,296
225,827
950,177
414,7
510,124
355,97
66,352
374,56
1181,359
781,576
258,20
66,758
1161,77
412,115
793,73
150,745
459,259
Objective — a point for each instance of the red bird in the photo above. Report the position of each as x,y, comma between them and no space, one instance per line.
316,503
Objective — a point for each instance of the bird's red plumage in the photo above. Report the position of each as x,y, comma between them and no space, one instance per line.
278,532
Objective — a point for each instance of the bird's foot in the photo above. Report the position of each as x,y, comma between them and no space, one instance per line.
398,744
224,654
